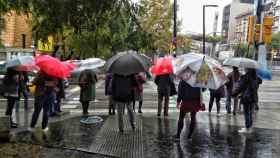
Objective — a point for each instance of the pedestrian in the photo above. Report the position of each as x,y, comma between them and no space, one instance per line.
247,87
87,81
108,92
189,100
138,90
23,89
233,79
216,95
44,98
163,83
123,95
10,91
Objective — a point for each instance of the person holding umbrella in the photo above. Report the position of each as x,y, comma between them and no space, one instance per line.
44,98
23,80
247,87
216,94
87,81
138,91
108,92
10,91
189,100
233,79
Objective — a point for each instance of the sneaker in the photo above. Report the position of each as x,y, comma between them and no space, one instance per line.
158,115
139,111
45,129
245,130
14,125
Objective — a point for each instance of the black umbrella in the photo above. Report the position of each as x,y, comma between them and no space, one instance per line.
126,64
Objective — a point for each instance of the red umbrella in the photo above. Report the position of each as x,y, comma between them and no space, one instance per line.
69,65
52,66
162,66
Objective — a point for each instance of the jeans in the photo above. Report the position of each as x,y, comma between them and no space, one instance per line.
53,108
248,113
44,102
218,104
10,105
25,96
228,104
166,104
121,107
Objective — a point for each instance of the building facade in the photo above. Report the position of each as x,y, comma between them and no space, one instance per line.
241,28
232,10
16,31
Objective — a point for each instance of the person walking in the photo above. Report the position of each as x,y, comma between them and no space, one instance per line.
87,81
247,87
189,100
259,81
233,78
216,95
163,83
11,92
108,92
123,96
44,98
138,90
23,80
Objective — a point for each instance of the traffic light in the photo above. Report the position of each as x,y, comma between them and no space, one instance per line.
267,29
251,30
257,32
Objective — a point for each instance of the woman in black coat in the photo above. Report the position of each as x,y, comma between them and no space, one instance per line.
247,86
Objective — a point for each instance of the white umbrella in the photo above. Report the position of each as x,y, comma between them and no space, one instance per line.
91,63
20,60
241,63
199,70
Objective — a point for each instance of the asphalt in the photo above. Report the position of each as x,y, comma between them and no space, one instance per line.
215,136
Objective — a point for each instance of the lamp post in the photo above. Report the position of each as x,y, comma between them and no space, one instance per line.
204,6
174,40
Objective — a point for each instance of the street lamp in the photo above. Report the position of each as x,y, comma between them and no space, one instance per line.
204,6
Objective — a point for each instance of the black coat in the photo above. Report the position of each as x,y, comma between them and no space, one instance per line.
163,83
248,88
187,92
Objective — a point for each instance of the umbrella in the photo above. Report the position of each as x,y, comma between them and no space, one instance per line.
90,64
199,70
162,66
70,66
147,59
241,62
20,60
52,66
264,74
126,64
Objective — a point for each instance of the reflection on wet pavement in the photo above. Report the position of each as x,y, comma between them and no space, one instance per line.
210,139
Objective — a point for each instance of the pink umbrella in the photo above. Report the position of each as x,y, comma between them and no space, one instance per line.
52,66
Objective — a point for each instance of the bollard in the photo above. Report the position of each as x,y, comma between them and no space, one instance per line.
5,128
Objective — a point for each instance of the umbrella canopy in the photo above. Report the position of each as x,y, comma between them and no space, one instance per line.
20,60
162,66
147,59
199,70
264,74
52,66
126,64
27,68
89,64
241,62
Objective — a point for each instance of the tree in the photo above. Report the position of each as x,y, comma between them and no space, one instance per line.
156,20
243,50
184,43
275,43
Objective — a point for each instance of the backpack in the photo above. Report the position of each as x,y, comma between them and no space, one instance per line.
122,89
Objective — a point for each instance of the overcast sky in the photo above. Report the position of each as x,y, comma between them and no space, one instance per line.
190,12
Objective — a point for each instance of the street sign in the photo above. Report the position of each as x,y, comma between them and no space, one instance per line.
46,46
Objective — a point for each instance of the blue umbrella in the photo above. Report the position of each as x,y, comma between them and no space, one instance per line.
264,74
